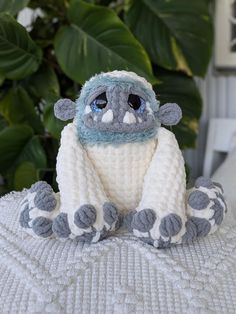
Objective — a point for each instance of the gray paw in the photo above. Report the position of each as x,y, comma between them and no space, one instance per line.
85,216
42,227
191,232
202,225
44,198
110,213
143,220
24,217
198,200
60,226
218,212
170,225
204,182
128,220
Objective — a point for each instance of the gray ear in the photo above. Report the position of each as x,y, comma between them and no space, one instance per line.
169,114
65,109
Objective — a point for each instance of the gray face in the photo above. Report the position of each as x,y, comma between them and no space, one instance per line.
119,108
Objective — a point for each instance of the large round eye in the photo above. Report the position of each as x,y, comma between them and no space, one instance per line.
99,102
136,102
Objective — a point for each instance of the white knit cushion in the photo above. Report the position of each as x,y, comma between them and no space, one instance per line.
117,275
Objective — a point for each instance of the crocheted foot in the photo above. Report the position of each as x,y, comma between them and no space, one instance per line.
38,209
206,208
87,224
160,232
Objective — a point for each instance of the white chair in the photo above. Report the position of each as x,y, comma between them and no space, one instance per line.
219,140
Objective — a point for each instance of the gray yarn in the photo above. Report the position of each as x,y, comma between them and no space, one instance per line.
219,186
220,196
24,217
65,109
119,222
110,213
60,226
191,232
147,240
45,200
203,226
127,222
204,182
86,237
169,114
170,225
40,185
85,216
219,212
163,244
198,200
42,227
144,220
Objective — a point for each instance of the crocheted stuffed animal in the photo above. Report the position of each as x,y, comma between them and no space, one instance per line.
115,160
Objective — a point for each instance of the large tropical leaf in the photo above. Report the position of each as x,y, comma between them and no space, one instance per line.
25,175
12,6
19,55
18,108
176,33
97,40
181,89
43,84
12,141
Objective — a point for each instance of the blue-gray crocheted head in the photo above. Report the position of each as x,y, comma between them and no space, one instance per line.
117,107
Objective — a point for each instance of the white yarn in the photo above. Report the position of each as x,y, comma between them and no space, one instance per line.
118,275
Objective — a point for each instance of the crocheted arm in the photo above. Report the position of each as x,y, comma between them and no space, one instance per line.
83,198
81,209
164,189
167,213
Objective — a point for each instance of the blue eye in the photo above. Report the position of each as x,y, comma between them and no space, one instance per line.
136,102
99,103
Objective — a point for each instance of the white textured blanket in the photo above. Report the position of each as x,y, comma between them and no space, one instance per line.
117,275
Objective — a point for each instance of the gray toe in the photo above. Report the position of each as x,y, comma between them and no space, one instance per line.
110,213
204,182
86,237
198,200
85,216
203,226
218,212
39,186
191,232
24,217
170,225
128,220
144,220
44,198
219,186
60,226
42,227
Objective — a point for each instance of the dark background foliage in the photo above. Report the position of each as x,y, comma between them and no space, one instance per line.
168,42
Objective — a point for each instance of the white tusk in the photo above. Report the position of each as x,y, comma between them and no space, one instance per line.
129,118
108,116
87,109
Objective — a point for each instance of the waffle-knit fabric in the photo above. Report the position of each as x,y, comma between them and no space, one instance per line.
117,275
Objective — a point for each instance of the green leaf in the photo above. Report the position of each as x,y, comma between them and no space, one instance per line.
12,6
43,84
12,141
52,124
181,89
178,34
25,175
18,108
34,152
19,55
97,40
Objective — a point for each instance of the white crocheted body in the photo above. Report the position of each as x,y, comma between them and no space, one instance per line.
122,169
